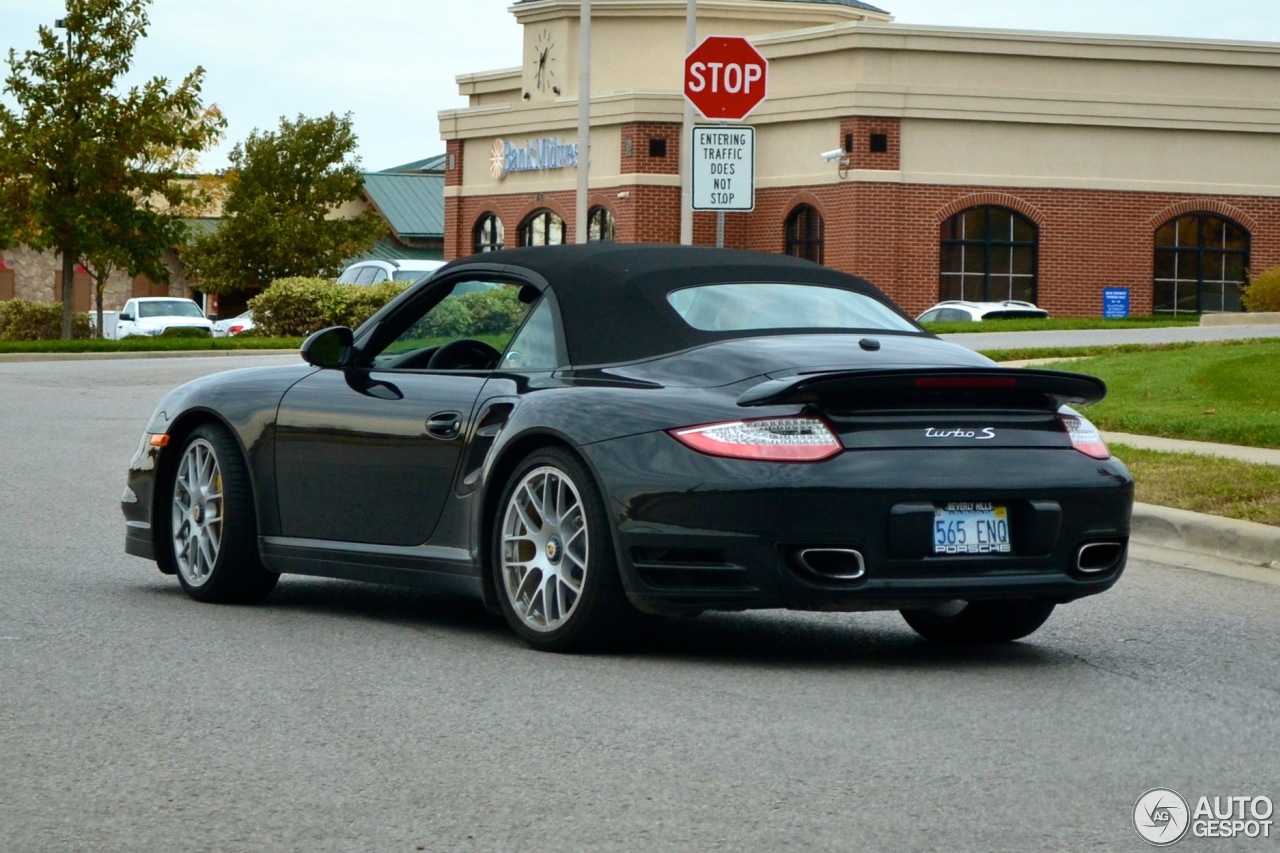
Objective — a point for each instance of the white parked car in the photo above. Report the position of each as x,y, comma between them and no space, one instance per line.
233,326
153,315
962,311
407,270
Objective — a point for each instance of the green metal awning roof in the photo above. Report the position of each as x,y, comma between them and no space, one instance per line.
430,164
412,203
389,250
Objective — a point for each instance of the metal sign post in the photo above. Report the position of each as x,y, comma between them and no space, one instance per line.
726,78
723,171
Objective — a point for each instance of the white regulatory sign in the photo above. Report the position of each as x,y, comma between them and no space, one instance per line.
724,167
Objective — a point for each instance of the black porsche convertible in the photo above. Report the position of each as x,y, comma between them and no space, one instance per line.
588,436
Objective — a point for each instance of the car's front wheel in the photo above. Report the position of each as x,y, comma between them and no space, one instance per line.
553,562
212,527
978,621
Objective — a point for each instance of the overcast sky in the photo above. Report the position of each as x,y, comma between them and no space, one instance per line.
392,63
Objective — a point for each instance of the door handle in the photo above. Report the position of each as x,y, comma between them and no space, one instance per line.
444,425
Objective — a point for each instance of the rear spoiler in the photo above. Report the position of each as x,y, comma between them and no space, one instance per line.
1063,387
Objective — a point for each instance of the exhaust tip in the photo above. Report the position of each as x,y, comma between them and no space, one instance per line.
1097,557
832,564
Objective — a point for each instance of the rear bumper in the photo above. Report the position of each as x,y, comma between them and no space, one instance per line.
694,532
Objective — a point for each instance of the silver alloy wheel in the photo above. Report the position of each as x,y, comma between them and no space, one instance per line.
544,549
197,512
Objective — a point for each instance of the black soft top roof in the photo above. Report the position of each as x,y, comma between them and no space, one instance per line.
613,296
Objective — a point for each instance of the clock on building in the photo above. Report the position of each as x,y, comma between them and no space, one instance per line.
545,59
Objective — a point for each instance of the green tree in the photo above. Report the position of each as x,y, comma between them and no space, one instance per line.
83,166
284,188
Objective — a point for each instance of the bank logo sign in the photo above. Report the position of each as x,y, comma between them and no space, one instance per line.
535,156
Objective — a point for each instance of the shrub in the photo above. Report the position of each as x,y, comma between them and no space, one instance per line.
449,319
366,299
293,307
24,320
184,332
299,306
1263,293
492,311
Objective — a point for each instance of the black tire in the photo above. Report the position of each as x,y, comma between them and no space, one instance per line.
537,560
212,528
979,621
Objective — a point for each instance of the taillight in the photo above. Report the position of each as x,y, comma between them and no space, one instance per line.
1085,436
791,439
235,330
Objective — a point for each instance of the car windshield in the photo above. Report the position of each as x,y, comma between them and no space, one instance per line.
775,305
169,308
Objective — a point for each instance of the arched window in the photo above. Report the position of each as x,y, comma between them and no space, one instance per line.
488,233
804,233
988,255
1200,264
600,225
542,228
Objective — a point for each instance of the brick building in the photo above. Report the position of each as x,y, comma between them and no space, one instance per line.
983,164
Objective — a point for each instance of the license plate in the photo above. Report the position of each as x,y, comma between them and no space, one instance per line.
971,528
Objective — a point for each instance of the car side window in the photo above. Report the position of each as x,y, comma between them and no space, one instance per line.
467,330
534,348
366,275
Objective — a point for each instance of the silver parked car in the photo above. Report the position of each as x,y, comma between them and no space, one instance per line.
232,326
963,311
376,271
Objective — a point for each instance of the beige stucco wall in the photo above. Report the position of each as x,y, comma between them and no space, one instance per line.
642,42
977,106
1090,157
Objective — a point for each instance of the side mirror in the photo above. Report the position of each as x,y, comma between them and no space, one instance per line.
128,317
331,347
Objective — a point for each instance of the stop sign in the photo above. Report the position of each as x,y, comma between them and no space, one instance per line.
725,77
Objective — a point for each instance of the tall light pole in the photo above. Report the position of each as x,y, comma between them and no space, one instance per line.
686,133
584,122
68,261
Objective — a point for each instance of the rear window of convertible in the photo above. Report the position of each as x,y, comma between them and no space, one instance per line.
741,307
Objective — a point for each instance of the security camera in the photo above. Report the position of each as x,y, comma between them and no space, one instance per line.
832,155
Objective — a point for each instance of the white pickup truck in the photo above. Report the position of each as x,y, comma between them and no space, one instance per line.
152,315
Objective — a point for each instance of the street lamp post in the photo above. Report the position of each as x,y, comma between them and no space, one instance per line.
68,260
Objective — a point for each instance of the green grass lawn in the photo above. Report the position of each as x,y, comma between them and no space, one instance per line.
1225,487
140,344
1223,392
1053,324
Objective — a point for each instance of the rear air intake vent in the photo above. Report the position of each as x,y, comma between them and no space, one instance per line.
1098,557
831,564
689,568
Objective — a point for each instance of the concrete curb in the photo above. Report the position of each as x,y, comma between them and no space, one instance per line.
1181,530
1264,318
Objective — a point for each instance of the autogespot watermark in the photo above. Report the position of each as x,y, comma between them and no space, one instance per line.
1163,817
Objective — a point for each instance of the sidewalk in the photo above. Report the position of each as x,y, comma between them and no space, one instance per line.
1180,530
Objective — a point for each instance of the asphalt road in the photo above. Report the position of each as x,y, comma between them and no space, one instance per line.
338,716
